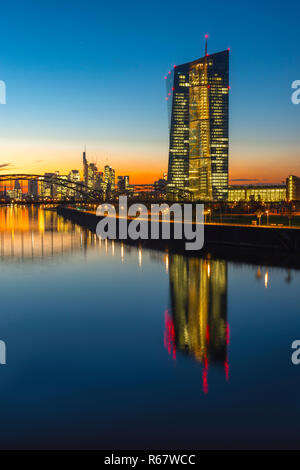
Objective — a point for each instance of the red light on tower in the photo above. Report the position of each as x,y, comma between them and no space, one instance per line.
166,78
173,89
228,49
169,72
206,37
174,66
169,94
229,87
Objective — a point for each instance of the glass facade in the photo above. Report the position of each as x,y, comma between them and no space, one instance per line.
293,188
197,96
276,193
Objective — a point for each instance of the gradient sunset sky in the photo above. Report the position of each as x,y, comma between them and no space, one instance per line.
93,72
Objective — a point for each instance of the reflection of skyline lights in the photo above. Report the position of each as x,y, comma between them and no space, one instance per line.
199,311
226,367
226,363
204,375
227,334
207,334
266,279
39,240
169,335
212,279
167,263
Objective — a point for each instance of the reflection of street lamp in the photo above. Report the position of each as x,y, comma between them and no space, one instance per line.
266,279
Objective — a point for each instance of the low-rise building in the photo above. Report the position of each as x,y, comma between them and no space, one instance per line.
268,193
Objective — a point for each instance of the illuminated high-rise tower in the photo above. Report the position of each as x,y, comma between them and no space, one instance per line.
197,97
85,168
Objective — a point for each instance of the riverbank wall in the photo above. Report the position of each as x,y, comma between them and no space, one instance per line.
254,243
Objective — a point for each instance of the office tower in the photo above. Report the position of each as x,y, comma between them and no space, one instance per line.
62,190
92,175
49,188
109,178
16,193
123,183
112,179
85,168
33,188
197,97
73,178
99,181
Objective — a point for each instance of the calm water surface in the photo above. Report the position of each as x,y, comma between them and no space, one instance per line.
115,347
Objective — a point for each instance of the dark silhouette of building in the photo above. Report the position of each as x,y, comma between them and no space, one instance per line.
123,183
33,188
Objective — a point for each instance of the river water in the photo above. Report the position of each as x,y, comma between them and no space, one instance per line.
116,347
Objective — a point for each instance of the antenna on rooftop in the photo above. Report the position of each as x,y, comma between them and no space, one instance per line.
206,38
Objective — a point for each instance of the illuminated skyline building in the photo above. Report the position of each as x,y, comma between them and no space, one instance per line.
73,177
123,183
92,175
48,188
99,182
109,178
197,97
85,168
293,188
267,193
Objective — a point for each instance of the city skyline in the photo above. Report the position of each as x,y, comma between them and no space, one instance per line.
149,228
124,121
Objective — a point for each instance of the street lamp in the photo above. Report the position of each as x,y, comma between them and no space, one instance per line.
205,215
267,212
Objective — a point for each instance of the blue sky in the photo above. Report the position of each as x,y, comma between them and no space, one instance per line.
92,72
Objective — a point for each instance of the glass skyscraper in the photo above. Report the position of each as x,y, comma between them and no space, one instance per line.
197,97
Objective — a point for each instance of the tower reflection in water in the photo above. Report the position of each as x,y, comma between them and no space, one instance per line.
197,321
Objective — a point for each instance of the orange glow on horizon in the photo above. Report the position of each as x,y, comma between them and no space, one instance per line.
248,164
